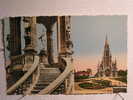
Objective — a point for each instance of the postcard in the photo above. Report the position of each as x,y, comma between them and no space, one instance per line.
69,55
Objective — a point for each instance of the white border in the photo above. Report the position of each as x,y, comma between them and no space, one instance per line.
72,7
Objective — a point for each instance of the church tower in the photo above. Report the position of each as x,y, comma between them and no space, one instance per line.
107,54
107,68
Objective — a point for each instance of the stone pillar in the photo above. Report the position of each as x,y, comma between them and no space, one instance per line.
58,35
43,57
66,44
30,41
14,46
15,36
50,45
62,35
30,35
49,23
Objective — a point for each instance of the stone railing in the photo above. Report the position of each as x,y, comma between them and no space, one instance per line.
35,80
70,83
22,59
25,77
17,60
56,83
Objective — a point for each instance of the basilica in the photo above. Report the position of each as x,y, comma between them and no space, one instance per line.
107,67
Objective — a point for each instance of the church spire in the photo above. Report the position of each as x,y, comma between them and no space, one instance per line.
107,53
107,67
106,46
106,41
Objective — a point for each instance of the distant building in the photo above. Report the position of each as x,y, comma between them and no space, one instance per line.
107,67
82,73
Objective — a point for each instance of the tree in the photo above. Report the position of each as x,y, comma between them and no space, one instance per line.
122,73
89,71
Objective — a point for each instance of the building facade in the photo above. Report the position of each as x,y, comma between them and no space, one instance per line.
107,67
33,70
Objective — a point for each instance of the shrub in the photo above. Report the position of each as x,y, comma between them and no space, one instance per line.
91,86
104,83
78,78
122,79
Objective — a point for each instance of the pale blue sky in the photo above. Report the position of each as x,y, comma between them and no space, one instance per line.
89,34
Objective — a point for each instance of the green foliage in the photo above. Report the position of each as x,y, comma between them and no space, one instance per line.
90,86
82,77
97,84
122,79
78,78
84,85
122,73
104,83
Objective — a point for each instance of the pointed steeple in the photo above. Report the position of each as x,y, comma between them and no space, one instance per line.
106,41
106,46
107,66
107,54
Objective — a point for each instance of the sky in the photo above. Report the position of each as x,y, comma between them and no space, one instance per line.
89,32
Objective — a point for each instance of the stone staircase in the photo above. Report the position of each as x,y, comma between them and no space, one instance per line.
47,75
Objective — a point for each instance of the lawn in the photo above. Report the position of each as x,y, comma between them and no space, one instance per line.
96,84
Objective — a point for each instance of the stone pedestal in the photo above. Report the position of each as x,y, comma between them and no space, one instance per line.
30,35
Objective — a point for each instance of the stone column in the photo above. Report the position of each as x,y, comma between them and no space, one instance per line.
15,36
30,35
50,45
66,44
62,35
58,35
43,57
49,23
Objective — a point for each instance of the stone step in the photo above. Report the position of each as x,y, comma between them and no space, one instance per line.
44,81
39,87
51,73
47,79
41,84
47,75
35,91
50,70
